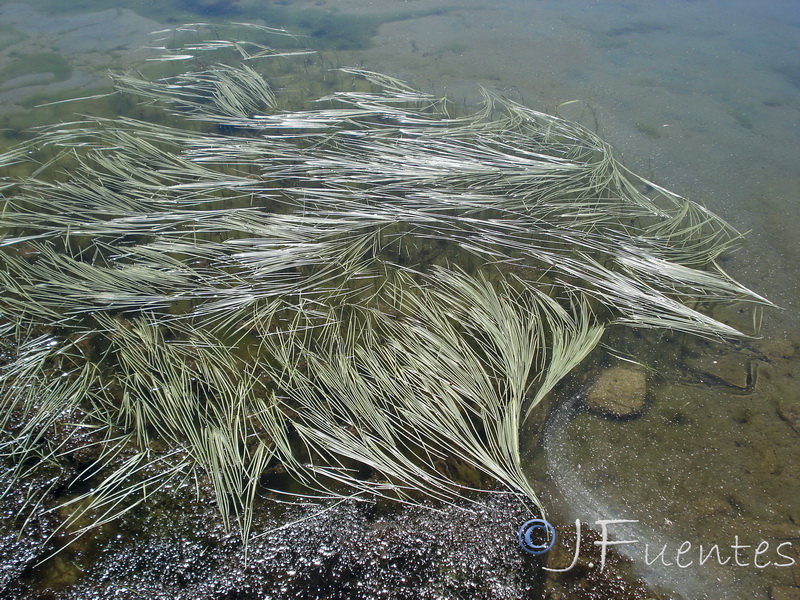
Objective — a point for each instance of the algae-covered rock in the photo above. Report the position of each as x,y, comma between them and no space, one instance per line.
733,369
789,410
776,350
618,392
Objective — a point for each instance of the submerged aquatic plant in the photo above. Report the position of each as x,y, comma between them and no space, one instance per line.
362,290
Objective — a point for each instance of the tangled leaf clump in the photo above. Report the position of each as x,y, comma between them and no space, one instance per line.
355,290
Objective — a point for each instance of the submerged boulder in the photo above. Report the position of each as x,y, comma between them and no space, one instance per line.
618,392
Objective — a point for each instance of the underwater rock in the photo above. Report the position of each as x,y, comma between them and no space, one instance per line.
618,392
784,593
711,505
213,8
789,410
733,369
776,350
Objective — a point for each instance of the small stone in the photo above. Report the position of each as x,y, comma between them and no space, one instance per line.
790,412
784,593
618,392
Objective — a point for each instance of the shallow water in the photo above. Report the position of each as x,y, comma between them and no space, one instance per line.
690,477
701,97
